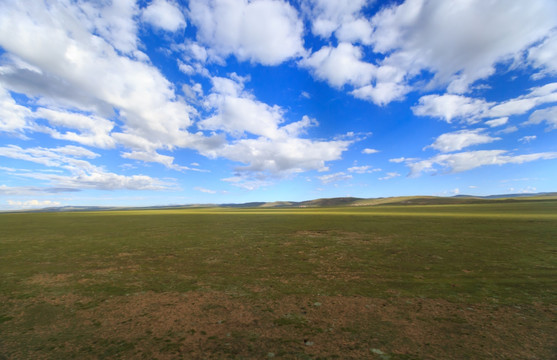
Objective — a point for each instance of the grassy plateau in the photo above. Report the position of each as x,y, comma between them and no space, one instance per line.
464,281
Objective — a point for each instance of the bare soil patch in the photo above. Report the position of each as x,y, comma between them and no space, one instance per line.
45,279
219,325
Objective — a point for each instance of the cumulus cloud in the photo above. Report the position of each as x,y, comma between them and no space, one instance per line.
382,93
277,147
282,155
369,151
340,65
448,107
113,20
88,72
343,18
459,42
265,31
464,161
237,115
454,44
165,15
458,140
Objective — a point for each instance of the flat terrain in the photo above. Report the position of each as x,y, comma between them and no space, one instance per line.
468,281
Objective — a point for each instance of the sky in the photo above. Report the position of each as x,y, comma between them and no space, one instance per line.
164,102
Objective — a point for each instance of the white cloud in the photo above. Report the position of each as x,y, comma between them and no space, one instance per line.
508,130
544,56
471,110
92,130
153,156
113,20
369,151
340,65
357,30
248,182
51,157
336,177
237,112
277,147
185,68
382,93
526,190
366,169
203,190
70,150
449,107
265,31
193,51
75,69
237,115
193,92
82,174
548,115
527,139
31,190
29,204
389,175
497,122
13,117
464,161
150,156
458,140
459,42
165,15
522,104
102,180
281,155
401,160
341,17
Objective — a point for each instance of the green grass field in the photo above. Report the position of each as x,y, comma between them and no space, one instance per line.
471,281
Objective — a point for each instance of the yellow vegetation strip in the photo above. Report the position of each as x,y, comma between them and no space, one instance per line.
329,212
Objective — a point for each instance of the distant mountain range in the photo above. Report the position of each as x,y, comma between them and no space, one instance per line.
331,202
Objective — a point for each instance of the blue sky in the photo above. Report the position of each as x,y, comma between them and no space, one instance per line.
216,101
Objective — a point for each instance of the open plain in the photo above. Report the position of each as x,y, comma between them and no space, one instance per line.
453,281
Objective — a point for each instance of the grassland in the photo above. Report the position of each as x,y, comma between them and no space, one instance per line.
464,281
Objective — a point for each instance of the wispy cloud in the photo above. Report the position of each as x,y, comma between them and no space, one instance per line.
333,178
29,204
389,175
463,161
203,190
